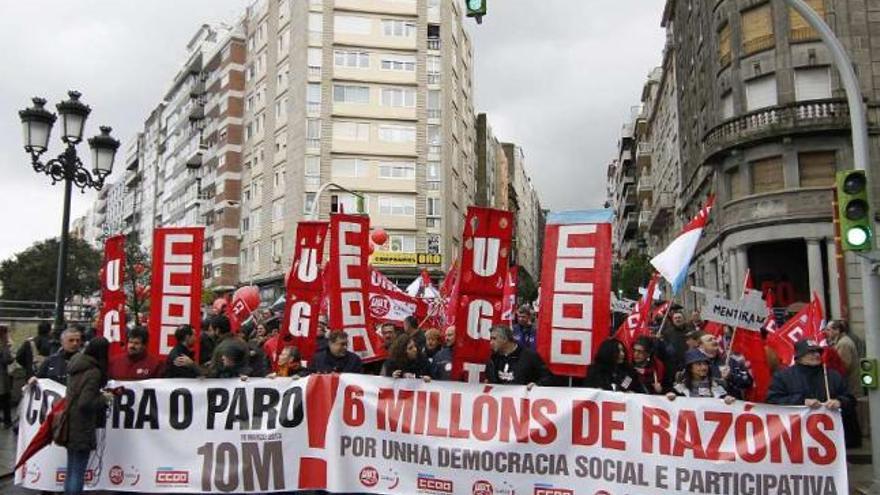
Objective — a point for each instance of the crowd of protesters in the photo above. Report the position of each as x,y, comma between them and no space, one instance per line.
679,359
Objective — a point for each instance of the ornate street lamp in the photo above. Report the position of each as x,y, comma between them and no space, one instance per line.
37,125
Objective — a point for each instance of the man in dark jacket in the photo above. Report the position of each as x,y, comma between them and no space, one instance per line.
181,360
674,338
225,339
442,365
733,375
803,383
524,328
55,366
513,364
136,363
34,351
411,328
336,358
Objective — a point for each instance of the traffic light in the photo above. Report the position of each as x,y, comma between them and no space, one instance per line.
476,8
868,373
856,226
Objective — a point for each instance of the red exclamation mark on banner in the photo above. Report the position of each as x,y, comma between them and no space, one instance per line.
320,395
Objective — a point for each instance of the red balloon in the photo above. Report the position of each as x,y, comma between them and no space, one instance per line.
139,268
372,248
245,301
379,236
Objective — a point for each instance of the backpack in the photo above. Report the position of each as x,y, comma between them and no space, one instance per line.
61,425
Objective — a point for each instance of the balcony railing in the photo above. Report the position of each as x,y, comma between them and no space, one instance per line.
644,219
759,44
643,154
803,34
315,71
725,59
313,108
434,113
661,212
799,116
433,78
313,144
433,43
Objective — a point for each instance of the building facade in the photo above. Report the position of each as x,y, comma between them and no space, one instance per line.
522,200
764,126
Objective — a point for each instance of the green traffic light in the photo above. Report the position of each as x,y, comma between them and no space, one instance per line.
854,211
857,236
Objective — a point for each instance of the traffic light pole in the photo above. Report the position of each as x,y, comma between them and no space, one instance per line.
870,279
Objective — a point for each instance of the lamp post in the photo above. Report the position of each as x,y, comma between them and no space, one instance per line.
37,125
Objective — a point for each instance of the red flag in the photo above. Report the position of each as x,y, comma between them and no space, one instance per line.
111,322
645,307
806,324
348,285
448,284
509,297
748,343
485,257
304,289
176,295
43,437
575,293
389,304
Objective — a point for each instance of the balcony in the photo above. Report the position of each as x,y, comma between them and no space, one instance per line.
314,72
313,108
662,212
194,161
759,44
773,122
197,112
434,113
630,224
434,78
197,89
132,178
645,186
644,219
433,43
777,207
643,154
804,34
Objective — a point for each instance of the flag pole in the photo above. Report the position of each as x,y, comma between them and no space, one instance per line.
827,388
665,316
733,335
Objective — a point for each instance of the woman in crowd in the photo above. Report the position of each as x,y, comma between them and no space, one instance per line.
289,363
611,370
697,381
433,343
405,360
85,409
650,370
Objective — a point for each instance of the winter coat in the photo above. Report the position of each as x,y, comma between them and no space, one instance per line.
849,354
520,367
797,383
172,371
441,366
25,354
418,368
618,379
55,367
5,379
674,346
144,367
230,341
87,405
325,362
710,387
524,336
650,372
739,379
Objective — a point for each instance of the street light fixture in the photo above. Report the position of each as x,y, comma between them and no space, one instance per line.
37,125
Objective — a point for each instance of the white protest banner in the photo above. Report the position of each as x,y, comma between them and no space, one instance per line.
749,312
379,435
622,305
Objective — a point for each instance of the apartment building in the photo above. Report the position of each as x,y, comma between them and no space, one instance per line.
372,96
523,201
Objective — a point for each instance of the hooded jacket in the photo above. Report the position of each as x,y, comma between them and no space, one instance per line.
87,405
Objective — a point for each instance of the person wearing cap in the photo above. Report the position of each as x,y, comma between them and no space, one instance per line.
803,383
697,381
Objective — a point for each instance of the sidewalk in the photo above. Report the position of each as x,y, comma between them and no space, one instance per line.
8,441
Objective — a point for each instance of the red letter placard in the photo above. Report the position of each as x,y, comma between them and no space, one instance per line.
485,256
575,290
348,285
176,289
111,323
304,288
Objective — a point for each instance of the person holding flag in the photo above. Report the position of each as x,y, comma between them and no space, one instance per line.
806,383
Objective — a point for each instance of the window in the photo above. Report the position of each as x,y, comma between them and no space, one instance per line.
817,168
757,26
399,62
394,27
277,248
281,142
313,166
398,97
351,59
282,77
727,106
308,202
281,109
283,9
345,203
433,171
349,167
283,42
397,170
256,219
397,134
243,257
315,57
724,46
278,178
316,23
313,128
278,210
433,207
401,243
767,175
397,206
434,243
812,84
434,135
351,24
799,29
761,93
313,93
735,183
255,257
343,93
245,225
352,131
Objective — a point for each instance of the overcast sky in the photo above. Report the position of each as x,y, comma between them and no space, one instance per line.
558,77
